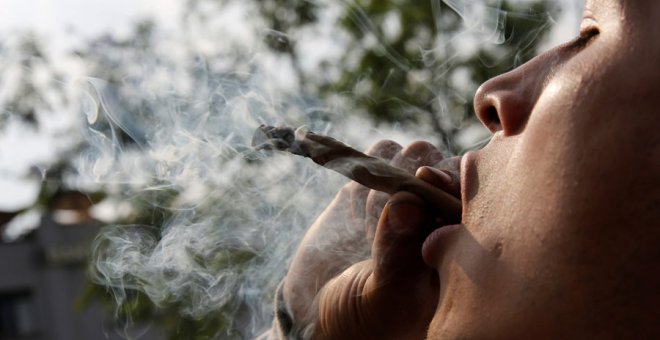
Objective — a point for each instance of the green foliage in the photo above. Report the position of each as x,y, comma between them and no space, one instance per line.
284,16
406,76
401,58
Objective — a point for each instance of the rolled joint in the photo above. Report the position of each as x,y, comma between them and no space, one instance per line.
369,171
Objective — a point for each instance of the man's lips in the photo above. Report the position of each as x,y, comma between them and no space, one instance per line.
451,164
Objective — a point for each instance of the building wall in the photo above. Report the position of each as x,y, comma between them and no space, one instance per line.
42,278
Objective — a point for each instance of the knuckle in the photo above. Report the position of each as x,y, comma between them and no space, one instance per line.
385,149
417,154
419,148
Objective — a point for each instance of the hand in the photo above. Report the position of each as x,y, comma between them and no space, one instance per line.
359,273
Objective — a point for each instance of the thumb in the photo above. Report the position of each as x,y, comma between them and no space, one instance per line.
393,295
401,231
401,283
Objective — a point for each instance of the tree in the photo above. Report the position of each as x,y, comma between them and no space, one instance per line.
31,95
408,63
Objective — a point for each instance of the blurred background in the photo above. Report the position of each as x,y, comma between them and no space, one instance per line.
131,202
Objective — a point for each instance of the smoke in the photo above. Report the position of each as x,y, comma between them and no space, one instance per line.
226,219
486,19
214,223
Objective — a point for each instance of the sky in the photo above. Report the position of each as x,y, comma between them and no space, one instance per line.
65,23
86,17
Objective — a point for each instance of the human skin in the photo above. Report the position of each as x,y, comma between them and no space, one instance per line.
561,224
560,233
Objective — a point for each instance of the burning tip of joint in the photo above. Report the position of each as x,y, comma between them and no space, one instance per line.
273,138
281,138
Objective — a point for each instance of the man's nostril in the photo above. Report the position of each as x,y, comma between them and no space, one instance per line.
492,118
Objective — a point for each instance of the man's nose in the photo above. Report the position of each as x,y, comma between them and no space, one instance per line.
504,103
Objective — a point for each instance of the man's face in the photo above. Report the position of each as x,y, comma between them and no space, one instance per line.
561,209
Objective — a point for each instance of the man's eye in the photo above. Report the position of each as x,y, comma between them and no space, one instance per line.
586,36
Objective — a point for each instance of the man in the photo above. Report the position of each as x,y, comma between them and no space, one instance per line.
560,232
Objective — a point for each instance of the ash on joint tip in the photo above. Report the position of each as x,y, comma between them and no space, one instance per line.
281,138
